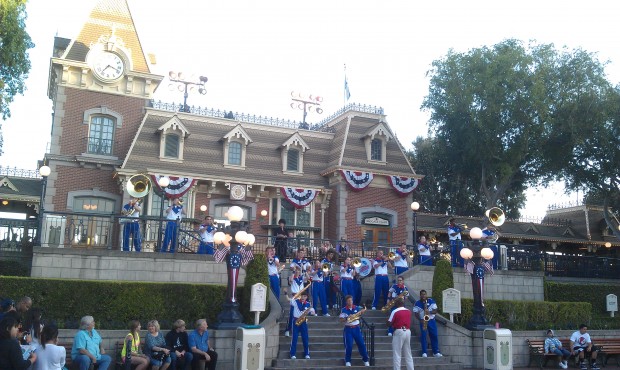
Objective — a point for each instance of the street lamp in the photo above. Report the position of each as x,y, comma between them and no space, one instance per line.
186,86
475,258
230,317
44,171
306,104
414,207
163,182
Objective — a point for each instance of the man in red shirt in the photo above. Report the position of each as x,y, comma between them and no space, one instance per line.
400,320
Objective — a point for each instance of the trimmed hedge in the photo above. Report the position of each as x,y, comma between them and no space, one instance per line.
13,268
530,315
255,272
442,280
594,294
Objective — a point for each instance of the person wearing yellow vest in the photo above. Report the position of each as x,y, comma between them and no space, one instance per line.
137,358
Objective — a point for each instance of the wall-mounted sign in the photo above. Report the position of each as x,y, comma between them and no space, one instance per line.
377,221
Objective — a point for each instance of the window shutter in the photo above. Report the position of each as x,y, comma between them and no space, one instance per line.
292,160
172,146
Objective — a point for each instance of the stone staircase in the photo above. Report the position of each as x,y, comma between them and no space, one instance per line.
327,348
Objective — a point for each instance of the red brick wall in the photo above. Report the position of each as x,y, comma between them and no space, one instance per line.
78,178
75,133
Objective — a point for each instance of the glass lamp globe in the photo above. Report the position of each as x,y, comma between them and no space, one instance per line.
467,253
241,237
250,239
475,233
164,181
415,206
486,253
203,208
263,213
45,171
235,213
218,237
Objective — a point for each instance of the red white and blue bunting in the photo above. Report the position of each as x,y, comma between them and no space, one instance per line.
356,179
299,197
178,185
403,185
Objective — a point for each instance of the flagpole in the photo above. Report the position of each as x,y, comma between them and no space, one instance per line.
344,95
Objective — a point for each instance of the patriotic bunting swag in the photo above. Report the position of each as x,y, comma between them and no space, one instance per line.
356,179
403,185
178,186
299,197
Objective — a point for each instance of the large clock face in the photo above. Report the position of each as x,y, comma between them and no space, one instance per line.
108,66
237,192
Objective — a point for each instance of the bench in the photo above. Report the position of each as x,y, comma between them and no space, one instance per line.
608,347
537,351
118,349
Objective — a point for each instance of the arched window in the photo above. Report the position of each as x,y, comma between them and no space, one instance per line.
234,153
101,135
376,150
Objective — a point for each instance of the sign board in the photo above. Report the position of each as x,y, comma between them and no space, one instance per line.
376,221
258,300
451,301
612,303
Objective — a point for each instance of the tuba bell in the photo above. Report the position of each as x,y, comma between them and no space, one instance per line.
357,262
496,216
138,186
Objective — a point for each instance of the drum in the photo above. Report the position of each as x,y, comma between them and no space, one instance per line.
365,268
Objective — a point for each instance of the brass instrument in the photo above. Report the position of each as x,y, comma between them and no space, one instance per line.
138,186
411,254
356,316
357,262
271,260
496,216
433,240
298,294
325,267
391,256
388,307
131,210
427,316
303,317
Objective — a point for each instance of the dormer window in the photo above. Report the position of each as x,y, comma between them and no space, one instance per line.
293,151
375,141
236,142
172,138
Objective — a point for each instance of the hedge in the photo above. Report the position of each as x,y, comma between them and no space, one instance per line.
113,303
442,280
530,315
13,268
594,294
255,272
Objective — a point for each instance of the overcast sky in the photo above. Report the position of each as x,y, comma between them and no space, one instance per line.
256,52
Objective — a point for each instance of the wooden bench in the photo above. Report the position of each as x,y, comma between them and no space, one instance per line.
68,360
537,351
608,347
118,349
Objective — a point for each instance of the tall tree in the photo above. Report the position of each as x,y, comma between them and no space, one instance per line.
14,60
495,111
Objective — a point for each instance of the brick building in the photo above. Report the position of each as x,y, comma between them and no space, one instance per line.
347,176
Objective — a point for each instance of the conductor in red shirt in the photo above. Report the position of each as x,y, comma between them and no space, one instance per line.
400,320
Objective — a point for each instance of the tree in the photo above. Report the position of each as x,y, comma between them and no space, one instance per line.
14,45
496,113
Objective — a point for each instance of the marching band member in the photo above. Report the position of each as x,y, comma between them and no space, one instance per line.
298,306
132,225
296,282
394,292
424,249
330,259
490,232
382,282
174,212
352,332
318,287
427,306
454,234
273,267
346,277
400,261
301,261
207,230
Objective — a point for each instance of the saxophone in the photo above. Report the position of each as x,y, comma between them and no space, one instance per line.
427,316
356,316
303,317
391,303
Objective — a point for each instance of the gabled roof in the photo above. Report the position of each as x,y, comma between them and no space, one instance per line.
20,187
380,129
109,18
296,139
239,133
174,123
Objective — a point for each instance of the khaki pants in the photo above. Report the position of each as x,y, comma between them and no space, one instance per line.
401,341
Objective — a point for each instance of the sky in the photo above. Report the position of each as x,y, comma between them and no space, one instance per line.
255,53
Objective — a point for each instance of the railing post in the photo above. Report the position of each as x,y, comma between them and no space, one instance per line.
372,344
111,232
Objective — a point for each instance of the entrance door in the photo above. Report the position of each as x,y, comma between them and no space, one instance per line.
374,236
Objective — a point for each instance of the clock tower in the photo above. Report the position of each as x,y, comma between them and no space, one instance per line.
99,83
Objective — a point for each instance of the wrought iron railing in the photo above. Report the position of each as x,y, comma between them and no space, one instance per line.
363,108
368,331
19,172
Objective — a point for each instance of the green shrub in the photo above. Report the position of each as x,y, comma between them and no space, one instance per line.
530,315
13,268
113,304
594,294
255,272
442,280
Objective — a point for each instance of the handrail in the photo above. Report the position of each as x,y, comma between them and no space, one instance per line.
369,339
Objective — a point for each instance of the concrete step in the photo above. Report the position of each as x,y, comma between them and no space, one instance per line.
337,339
335,353
384,364
323,347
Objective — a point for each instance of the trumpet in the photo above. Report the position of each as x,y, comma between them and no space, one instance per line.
325,267
433,240
391,303
391,256
411,254
298,294
131,210
303,317
356,316
357,262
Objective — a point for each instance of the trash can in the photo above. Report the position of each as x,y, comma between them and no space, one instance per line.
497,347
250,348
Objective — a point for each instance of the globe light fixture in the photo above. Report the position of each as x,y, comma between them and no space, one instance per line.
235,214
219,237
486,253
203,208
466,253
164,181
241,236
415,206
263,213
475,233
608,245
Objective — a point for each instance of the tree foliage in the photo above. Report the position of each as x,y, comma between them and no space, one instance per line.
506,117
14,45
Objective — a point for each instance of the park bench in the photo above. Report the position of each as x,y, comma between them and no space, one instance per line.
609,347
537,351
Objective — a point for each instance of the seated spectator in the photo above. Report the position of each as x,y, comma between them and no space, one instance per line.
10,352
7,305
343,249
581,345
155,347
138,359
88,348
553,345
177,341
199,345
24,305
50,355
32,326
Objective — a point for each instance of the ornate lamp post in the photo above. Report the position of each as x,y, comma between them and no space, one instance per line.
414,207
306,104
44,171
182,85
230,317
163,182
475,265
